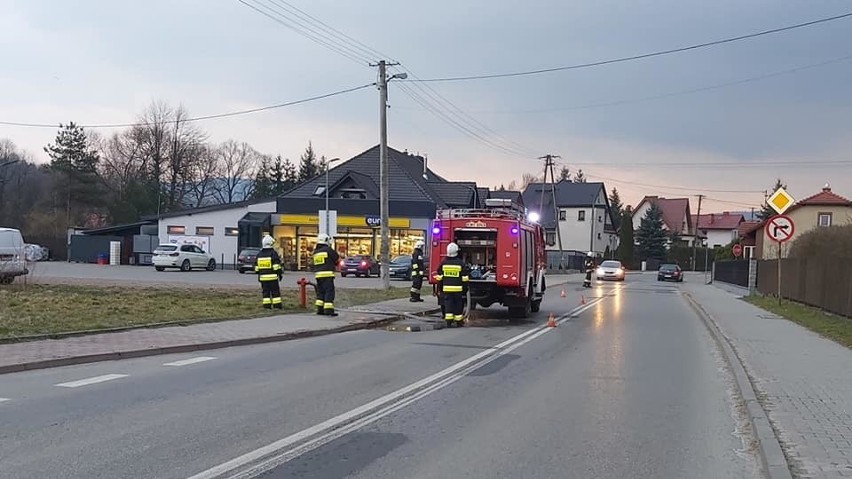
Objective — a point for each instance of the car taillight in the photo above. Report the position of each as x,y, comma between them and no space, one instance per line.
242,258
363,263
342,262
175,254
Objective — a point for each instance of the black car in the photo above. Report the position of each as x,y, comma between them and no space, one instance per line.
670,272
360,265
247,259
400,267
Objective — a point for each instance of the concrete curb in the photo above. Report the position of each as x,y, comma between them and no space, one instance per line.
772,456
185,348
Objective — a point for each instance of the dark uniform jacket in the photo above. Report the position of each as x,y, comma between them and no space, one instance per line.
417,266
453,275
268,265
324,262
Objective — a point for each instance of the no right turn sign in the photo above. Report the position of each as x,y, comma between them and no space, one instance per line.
780,228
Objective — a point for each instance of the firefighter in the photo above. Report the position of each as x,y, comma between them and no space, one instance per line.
453,277
417,272
590,268
268,269
325,260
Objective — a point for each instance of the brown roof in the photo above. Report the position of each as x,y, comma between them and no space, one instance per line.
718,221
825,198
674,210
747,227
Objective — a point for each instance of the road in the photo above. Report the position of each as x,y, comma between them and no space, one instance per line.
630,385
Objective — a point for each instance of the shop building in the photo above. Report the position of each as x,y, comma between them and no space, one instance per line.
415,193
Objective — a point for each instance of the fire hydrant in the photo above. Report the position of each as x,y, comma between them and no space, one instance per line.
303,292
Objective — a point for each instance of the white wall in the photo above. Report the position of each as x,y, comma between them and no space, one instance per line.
219,220
581,235
719,237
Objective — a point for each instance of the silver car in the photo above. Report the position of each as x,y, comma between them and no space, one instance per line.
610,270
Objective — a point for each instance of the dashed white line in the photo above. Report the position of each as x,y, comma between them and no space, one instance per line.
185,362
4,399
88,381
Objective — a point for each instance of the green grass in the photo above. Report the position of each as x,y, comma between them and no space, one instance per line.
833,327
52,309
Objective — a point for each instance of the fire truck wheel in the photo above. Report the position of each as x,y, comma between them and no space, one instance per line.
535,306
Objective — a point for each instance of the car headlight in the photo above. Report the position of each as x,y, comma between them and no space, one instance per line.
600,271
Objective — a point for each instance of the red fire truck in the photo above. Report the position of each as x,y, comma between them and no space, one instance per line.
503,249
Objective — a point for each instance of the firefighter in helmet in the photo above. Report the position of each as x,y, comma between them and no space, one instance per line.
590,268
417,272
453,277
324,263
268,269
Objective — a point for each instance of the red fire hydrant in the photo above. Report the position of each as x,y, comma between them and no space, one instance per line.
303,292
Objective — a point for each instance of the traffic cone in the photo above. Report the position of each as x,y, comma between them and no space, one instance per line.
582,299
551,321
562,294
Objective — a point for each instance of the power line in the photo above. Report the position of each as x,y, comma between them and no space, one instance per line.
640,56
755,164
198,118
670,187
671,94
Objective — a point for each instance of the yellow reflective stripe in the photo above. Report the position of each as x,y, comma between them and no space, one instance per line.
452,267
452,289
465,278
324,274
414,266
318,302
438,277
276,300
449,316
328,306
264,263
267,301
269,277
319,258
459,317
276,267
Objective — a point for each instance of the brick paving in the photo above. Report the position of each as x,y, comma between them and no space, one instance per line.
804,381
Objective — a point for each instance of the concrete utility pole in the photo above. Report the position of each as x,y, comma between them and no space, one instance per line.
695,238
384,187
548,166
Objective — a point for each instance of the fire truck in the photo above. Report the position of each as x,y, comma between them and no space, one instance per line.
502,248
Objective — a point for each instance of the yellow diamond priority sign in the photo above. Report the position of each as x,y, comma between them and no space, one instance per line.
780,201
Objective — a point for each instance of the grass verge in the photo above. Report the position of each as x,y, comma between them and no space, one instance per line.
54,309
833,327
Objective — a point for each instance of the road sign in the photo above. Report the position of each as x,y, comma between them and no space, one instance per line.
780,228
737,250
780,201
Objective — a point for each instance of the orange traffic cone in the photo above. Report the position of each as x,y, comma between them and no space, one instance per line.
582,299
562,294
551,321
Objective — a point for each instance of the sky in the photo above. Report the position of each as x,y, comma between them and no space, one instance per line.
639,126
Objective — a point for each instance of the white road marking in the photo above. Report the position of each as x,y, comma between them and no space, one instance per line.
184,362
4,399
279,452
94,380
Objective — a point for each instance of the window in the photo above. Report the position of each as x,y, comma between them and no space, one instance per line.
176,230
550,238
204,230
599,236
600,219
563,215
581,215
186,248
232,231
824,219
319,191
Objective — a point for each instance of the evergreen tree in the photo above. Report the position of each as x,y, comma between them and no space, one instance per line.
616,206
651,238
309,167
766,211
263,186
74,163
625,238
564,174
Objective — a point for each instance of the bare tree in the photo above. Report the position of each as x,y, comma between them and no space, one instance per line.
204,176
527,179
237,163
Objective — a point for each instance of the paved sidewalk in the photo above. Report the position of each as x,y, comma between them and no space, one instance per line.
803,380
171,339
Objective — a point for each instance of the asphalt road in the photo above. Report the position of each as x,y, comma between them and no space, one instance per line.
631,386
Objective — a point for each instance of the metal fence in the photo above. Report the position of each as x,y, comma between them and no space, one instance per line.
733,272
822,282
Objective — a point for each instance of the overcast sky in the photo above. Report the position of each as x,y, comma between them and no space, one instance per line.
103,61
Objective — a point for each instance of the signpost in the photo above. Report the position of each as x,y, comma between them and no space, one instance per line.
737,250
780,228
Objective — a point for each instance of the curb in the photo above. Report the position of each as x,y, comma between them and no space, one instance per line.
185,348
771,455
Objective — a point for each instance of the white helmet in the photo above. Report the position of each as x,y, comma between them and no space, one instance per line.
268,241
452,250
590,254
324,239
419,244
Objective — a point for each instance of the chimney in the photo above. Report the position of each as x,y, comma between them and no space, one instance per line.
827,188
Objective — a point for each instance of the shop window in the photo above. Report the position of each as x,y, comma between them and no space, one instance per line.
204,230
232,231
176,230
581,215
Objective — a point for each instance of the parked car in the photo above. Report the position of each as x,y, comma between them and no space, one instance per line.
360,265
400,267
13,261
610,270
183,256
247,259
670,272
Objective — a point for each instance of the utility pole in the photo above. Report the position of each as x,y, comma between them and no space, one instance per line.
695,237
548,166
384,188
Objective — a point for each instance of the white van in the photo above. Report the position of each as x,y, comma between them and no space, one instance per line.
12,256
